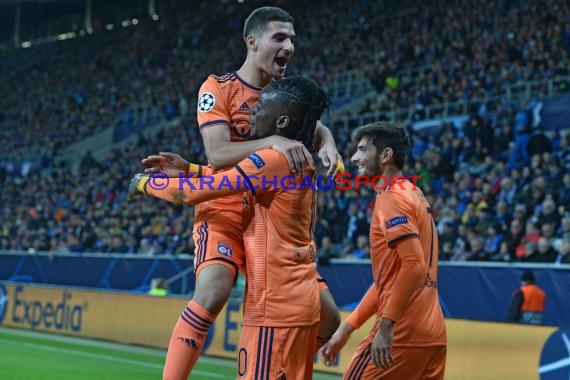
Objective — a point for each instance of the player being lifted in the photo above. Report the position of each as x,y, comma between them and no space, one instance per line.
408,340
223,112
282,301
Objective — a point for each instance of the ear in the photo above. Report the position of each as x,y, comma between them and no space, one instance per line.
386,155
251,42
282,122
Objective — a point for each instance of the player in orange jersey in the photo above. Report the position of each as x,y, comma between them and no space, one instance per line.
223,112
408,340
282,300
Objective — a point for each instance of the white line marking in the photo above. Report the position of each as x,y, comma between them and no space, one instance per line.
103,357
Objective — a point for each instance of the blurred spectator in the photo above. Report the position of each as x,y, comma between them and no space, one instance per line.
564,255
531,236
477,250
530,253
546,253
549,214
362,250
327,251
504,254
493,240
446,252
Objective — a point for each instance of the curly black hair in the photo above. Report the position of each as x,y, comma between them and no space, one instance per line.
305,101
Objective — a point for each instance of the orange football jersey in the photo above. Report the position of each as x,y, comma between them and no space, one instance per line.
282,288
402,212
225,100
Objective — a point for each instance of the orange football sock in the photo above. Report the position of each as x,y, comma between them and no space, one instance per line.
187,342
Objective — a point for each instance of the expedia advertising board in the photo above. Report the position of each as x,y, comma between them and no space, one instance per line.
124,317
476,350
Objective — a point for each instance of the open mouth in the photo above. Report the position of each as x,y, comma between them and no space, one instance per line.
281,61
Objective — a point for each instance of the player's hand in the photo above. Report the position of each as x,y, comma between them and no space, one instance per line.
168,163
136,186
331,349
381,350
297,155
331,159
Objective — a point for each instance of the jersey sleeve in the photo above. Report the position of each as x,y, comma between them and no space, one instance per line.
262,171
212,108
399,218
265,170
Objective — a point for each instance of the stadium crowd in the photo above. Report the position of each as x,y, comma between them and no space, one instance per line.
58,93
500,190
456,54
486,206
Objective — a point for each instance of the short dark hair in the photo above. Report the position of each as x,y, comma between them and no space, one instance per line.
386,134
305,101
260,17
528,277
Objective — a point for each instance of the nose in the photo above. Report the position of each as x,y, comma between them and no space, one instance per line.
288,46
354,159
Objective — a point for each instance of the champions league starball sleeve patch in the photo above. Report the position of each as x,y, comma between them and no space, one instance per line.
206,102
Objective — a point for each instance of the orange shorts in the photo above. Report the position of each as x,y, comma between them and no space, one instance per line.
218,235
276,352
410,363
218,232
218,242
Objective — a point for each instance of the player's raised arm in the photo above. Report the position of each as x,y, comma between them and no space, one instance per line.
262,171
220,137
222,152
172,165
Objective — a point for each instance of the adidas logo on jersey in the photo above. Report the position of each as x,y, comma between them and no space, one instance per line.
244,107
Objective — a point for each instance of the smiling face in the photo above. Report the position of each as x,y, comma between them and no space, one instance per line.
274,47
366,158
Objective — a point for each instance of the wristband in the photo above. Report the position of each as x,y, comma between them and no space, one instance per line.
193,168
141,184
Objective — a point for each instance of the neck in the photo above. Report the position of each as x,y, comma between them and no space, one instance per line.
389,173
253,75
